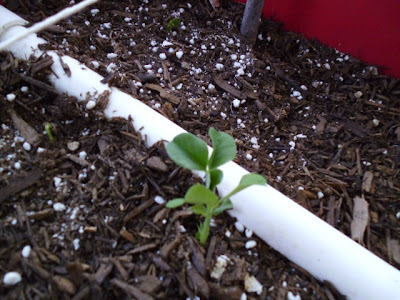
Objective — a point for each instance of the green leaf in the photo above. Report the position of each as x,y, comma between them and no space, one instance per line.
49,132
199,194
248,180
215,178
175,203
202,234
199,209
174,23
224,148
188,151
204,230
227,204
252,179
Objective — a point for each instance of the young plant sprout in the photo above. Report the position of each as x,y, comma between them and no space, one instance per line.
173,24
49,132
191,152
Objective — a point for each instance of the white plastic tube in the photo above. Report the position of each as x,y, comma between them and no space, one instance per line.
287,227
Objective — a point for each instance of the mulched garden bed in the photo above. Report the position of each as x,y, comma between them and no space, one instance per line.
321,126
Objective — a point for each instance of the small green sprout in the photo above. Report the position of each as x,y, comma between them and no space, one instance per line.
191,152
49,132
173,24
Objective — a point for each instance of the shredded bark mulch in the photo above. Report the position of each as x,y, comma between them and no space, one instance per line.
84,216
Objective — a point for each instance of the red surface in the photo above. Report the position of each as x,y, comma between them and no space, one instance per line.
366,29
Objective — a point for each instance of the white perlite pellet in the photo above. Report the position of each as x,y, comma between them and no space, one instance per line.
91,104
252,285
111,55
10,97
211,87
76,242
26,251
159,200
27,146
82,155
291,296
236,103
248,232
12,278
239,226
59,206
72,146
219,67
219,267
95,64
250,244
179,54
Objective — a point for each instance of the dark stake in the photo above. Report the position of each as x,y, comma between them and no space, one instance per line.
251,20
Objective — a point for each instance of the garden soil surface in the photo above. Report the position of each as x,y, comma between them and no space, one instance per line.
82,211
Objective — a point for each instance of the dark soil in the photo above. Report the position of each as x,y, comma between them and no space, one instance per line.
322,127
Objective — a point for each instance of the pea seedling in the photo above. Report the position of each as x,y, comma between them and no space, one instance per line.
173,24
49,132
191,152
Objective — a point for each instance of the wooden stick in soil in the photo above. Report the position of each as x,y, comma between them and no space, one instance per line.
251,20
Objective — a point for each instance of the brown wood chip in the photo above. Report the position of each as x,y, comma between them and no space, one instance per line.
156,163
394,249
44,274
198,259
223,293
124,274
102,272
149,284
133,213
130,290
223,84
40,215
18,184
64,284
161,263
127,235
142,248
28,132
167,248
165,94
198,284
360,219
368,182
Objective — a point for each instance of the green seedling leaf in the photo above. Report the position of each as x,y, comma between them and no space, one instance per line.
199,194
227,204
174,23
224,148
248,180
252,179
174,203
49,132
215,178
188,151
199,209
204,230
201,232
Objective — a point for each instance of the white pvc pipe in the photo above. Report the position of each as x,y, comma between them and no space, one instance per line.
65,13
286,226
